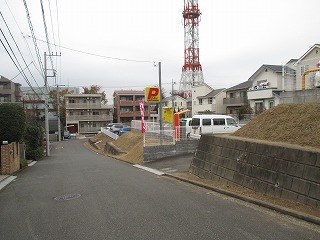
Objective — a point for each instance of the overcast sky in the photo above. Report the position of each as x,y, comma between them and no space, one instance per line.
235,38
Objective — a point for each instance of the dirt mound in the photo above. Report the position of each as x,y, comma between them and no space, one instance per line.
130,143
295,124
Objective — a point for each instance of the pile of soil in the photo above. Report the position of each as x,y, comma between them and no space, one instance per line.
295,124
130,143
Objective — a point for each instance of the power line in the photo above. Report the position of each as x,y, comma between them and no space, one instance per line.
98,55
34,38
18,50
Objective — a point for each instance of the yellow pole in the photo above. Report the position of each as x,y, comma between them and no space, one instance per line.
304,77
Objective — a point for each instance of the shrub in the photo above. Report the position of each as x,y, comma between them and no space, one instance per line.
33,139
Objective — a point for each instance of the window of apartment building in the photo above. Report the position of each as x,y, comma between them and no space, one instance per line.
82,125
200,101
210,100
243,94
139,98
126,98
232,95
94,125
175,104
126,109
81,113
4,86
72,101
271,103
304,68
71,113
95,113
94,100
84,100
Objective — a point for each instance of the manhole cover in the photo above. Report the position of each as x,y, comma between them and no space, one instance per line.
67,197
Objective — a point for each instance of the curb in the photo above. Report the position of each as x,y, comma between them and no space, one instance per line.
6,181
283,210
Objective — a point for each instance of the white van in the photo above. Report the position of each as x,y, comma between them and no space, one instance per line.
204,124
187,124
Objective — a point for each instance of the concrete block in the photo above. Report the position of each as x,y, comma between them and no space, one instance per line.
250,147
247,182
271,177
307,157
207,166
214,168
286,194
295,169
240,145
223,141
207,175
311,173
201,173
307,201
266,162
229,175
290,154
221,171
215,178
280,166
273,191
234,154
254,159
231,143
300,186
246,170
318,160
260,186
216,141
262,149
218,150
284,181
275,151
238,178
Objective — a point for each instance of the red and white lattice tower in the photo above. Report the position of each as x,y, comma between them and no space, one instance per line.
191,71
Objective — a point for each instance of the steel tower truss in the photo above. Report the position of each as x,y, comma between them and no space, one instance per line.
191,71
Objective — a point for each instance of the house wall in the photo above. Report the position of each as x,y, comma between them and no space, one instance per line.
274,79
197,91
308,62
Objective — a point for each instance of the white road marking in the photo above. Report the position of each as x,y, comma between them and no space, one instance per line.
32,163
7,181
159,173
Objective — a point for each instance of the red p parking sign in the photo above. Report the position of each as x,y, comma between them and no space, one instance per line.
152,94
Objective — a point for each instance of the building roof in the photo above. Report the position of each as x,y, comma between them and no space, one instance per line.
304,55
244,85
274,68
213,93
128,92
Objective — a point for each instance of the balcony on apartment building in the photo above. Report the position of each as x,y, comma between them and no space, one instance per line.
236,101
88,105
261,93
102,117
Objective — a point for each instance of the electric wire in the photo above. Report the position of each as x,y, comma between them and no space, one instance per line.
34,39
98,55
46,33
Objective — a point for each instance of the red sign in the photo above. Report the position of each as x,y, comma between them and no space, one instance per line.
143,127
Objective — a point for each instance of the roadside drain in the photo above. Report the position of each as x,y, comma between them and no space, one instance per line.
67,197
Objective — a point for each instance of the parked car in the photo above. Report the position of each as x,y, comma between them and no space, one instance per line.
115,128
124,130
214,124
109,125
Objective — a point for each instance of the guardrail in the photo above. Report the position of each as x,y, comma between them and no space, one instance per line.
109,134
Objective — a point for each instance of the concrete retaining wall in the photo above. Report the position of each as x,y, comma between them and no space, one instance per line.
284,171
151,153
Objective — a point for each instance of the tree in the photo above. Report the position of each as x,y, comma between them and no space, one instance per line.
243,111
95,89
33,139
12,122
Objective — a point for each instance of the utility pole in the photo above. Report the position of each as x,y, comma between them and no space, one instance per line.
46,100
172,82
58,113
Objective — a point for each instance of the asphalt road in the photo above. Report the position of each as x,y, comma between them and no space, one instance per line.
77,194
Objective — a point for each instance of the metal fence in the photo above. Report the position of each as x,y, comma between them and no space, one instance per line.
109,134
154,136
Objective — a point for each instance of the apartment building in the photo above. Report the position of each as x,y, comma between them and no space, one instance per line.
9,91
86,113
127,108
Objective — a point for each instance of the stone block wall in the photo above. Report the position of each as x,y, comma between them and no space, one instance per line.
281,170
151,153
10,158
